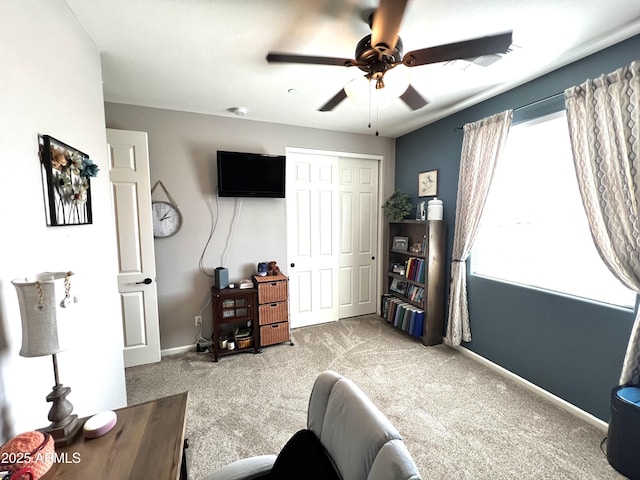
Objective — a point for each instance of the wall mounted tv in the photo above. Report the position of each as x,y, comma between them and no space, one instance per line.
251,175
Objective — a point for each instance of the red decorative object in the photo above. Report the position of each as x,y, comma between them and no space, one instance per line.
28,456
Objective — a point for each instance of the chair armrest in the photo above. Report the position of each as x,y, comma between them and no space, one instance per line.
245,469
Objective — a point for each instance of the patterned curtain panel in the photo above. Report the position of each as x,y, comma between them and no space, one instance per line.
604,117
481,147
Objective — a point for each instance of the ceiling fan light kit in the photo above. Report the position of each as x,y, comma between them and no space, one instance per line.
379,94
380,56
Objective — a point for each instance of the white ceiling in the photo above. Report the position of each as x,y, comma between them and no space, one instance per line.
207,56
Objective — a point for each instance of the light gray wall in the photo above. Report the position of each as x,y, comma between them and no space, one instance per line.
51,84
183,150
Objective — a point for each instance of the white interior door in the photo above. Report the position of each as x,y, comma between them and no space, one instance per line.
358,180
332,235
312,238
131,195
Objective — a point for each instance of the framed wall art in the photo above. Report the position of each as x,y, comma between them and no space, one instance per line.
428,183
66,174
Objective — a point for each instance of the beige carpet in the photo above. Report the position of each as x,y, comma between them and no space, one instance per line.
459,419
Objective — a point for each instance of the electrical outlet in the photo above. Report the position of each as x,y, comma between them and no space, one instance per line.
198,319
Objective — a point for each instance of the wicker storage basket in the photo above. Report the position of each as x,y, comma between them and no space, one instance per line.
273,291
274,333
273,313
244,342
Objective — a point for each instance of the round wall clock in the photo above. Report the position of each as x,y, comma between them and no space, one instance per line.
167,219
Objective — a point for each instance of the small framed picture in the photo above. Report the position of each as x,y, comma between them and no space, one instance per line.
428,183
400,243
398,286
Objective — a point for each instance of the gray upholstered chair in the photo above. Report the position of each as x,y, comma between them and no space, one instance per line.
347,437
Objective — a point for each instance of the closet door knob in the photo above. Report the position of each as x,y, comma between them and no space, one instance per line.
293,265
146,281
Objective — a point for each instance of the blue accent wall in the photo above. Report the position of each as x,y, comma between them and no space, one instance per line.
571,348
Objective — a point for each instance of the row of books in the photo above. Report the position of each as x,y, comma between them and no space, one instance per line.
403,315
415,294
415,269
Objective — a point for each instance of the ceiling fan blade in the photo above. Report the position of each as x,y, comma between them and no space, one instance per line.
295,58
413,99
386,23
334,102
453,51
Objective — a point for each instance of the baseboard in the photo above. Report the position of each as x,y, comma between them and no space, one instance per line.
578,412
176,350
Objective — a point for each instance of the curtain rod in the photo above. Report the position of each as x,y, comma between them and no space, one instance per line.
531,104
550,97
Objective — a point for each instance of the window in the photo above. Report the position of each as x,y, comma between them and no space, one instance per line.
534,230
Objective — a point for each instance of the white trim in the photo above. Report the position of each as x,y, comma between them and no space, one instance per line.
176,350
334,153
559,402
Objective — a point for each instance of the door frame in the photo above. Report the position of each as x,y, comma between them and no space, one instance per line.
380,233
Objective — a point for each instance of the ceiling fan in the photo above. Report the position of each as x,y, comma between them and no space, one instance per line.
378,53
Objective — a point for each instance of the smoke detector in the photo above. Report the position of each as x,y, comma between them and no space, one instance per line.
240,111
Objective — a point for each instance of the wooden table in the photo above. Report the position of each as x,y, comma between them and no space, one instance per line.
147,442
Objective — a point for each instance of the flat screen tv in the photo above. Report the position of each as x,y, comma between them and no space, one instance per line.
251,175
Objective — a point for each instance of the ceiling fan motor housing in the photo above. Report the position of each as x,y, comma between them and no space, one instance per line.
377,60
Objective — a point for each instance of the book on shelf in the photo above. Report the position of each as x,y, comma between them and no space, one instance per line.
405,317
391,311
243,332
416,269
418,325
384,307
399,316
415,294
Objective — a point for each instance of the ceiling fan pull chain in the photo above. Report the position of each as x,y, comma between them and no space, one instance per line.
369,92
377,120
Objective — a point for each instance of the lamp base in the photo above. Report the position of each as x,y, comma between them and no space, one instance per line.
65,432
65,426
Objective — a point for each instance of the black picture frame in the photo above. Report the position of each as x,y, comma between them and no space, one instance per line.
400,244
66,183
398,286
428,183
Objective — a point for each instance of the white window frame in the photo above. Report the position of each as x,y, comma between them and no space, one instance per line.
527,232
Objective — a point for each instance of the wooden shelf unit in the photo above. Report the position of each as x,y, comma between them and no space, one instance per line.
421,292
233,308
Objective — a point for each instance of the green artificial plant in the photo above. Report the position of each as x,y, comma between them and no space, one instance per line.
397,206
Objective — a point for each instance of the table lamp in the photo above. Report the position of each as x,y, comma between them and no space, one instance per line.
40,337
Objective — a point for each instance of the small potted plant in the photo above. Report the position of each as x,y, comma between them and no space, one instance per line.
397,206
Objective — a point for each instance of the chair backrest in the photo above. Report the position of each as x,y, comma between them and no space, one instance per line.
362,442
